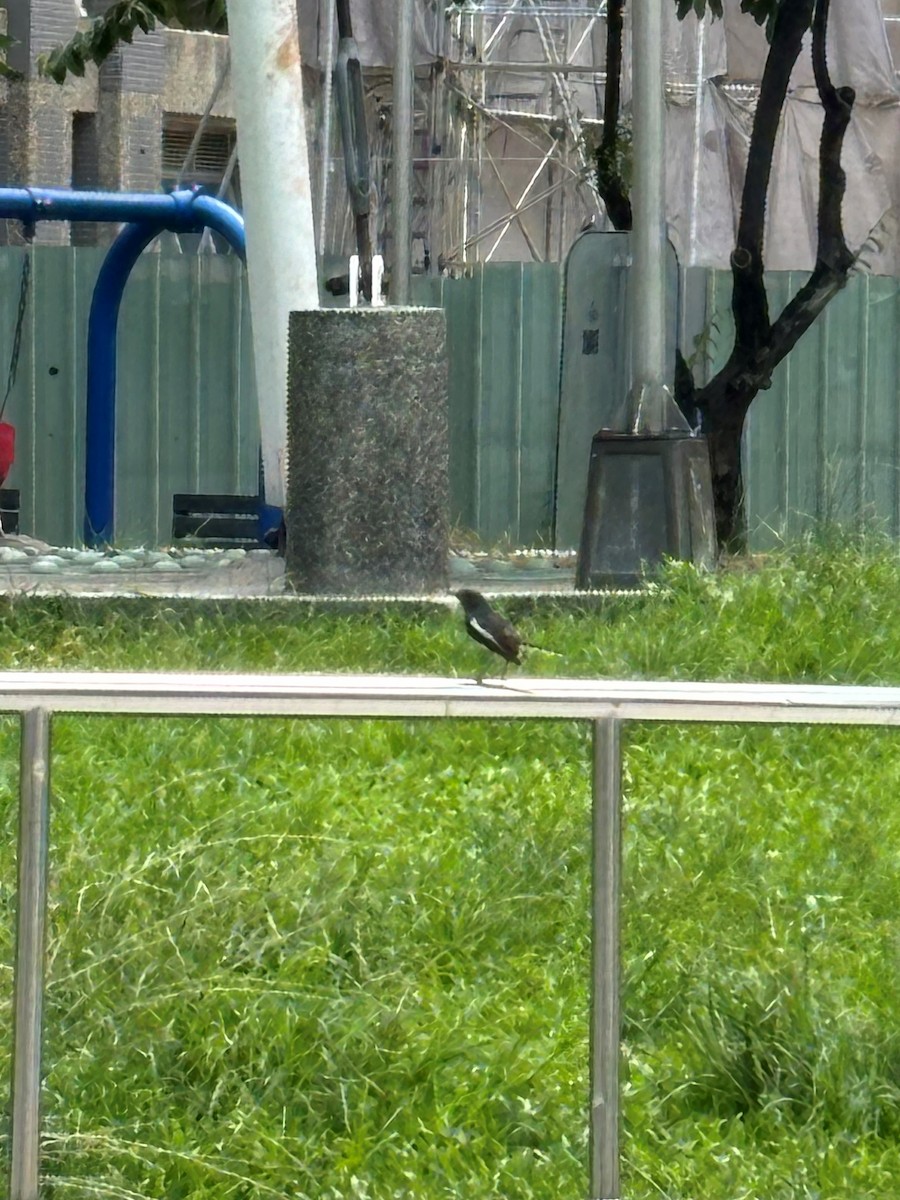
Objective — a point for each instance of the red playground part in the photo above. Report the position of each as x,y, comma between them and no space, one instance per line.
7,448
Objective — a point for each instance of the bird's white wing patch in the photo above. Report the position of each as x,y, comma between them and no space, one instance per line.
484,633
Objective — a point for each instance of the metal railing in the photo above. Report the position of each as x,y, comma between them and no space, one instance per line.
37,696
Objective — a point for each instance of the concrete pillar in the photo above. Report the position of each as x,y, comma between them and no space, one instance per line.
367,508
130,116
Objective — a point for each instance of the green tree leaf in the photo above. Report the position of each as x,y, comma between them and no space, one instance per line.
118,24
6,71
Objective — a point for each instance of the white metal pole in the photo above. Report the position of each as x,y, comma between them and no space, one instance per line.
402,148
275,187
649,175
699,84
327,94
652,408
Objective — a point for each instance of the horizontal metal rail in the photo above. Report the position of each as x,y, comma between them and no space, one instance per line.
427,696
607,703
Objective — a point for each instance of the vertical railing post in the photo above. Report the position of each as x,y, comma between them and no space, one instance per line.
605,1015
28,987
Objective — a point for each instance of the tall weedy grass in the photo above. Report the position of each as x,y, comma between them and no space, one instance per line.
350,959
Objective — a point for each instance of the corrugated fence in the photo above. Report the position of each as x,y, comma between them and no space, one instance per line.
503,327
823,442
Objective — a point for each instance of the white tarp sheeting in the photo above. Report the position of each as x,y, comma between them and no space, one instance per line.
708,149
706,162
374,23
707,144
858,51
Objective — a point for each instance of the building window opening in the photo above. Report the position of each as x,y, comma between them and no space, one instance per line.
206,161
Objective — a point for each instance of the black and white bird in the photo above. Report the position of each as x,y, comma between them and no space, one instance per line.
490,628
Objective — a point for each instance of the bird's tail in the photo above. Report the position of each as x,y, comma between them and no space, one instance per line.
542,649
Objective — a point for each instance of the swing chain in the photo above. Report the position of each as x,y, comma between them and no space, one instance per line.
28,231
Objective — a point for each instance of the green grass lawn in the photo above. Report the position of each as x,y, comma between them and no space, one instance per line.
350,959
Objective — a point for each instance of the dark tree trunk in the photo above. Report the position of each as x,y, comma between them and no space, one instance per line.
760,344
610,184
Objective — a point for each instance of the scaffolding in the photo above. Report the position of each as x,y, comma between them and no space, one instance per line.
507,109
522,104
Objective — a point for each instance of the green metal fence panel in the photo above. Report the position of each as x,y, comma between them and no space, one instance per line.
138,461
503,333
539,405
801,385
881,493
427,290
53,429
503,342
499,417
87,262
179,405
462,302
843,401
248,456
186,402
19,410
218,310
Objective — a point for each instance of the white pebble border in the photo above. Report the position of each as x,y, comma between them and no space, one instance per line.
28,566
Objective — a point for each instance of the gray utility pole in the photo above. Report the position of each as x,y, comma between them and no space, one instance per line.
651,406
401,198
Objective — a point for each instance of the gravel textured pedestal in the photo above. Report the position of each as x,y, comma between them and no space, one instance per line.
367,508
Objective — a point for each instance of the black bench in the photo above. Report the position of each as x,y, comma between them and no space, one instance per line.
216,521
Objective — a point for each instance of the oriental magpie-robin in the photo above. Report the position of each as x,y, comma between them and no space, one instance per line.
491,628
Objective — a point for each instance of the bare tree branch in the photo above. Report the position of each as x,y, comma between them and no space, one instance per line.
837,104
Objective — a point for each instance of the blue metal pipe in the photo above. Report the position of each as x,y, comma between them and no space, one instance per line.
172,210
188,210
103,322
222,219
